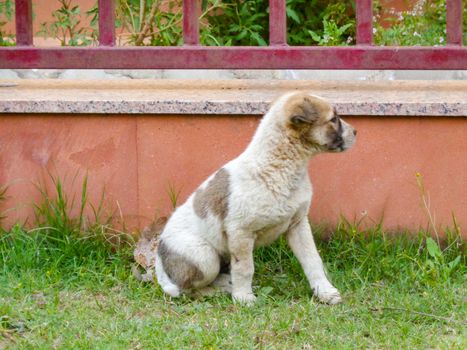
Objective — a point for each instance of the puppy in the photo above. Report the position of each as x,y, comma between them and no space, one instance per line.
251,201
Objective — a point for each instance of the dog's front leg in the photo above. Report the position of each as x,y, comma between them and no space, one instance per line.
301,241
241,246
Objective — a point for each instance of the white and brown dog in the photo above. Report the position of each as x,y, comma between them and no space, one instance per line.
251,201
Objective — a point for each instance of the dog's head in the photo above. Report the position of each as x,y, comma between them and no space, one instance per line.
314,123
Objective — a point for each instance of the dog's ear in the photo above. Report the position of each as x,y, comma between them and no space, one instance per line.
299,120
302,110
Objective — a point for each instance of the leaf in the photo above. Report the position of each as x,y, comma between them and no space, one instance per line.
344,28
266,290
234,28
204,5
254,18
76,10
258,39
241,35
452,265
293,15
315,36
430,264
433,248
244,12
256,28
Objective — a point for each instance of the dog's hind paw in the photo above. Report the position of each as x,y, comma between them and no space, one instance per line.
172,290
330,295
246,299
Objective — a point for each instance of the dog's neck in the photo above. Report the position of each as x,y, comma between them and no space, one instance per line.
279,161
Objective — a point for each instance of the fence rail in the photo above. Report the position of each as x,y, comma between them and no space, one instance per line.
275,56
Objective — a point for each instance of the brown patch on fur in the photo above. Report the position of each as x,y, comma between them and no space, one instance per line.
214,197
283,155
199,205
309,108
181,271
304,114
288,150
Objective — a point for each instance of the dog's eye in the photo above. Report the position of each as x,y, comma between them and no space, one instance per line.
334,119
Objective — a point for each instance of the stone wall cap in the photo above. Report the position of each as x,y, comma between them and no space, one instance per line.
229,97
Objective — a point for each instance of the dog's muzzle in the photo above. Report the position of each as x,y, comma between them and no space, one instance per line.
343,141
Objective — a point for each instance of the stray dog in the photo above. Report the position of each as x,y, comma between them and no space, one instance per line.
251,201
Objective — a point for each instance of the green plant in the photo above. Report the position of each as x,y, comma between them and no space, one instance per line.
239,23
147,24
247,22
67,26
60,218
7,10
68,231
424,24
3,198
159,23
332,34
173,194
426,204
321,22
53,212
235,22
387,303
437,266
65,271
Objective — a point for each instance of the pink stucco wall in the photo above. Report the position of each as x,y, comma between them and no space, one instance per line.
137,159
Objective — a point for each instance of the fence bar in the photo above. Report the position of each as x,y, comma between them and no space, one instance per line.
269,57
277,23
23,22
106,22
191,11
364,22
454,22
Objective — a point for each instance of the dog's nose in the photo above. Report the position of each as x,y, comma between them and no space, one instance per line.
354,132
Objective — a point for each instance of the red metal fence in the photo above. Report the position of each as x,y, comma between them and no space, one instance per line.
275,56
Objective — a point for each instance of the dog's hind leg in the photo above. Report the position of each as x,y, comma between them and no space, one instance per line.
222,284
164,281
185,267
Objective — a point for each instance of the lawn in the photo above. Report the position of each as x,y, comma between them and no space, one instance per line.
60,290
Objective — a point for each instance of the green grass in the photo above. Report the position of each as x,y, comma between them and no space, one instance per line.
63,285
80,295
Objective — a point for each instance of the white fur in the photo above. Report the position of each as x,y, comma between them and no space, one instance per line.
268,196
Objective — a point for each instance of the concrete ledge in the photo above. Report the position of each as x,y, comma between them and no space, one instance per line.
229,97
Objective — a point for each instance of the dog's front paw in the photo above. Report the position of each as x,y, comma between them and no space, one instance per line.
327,294
246,299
